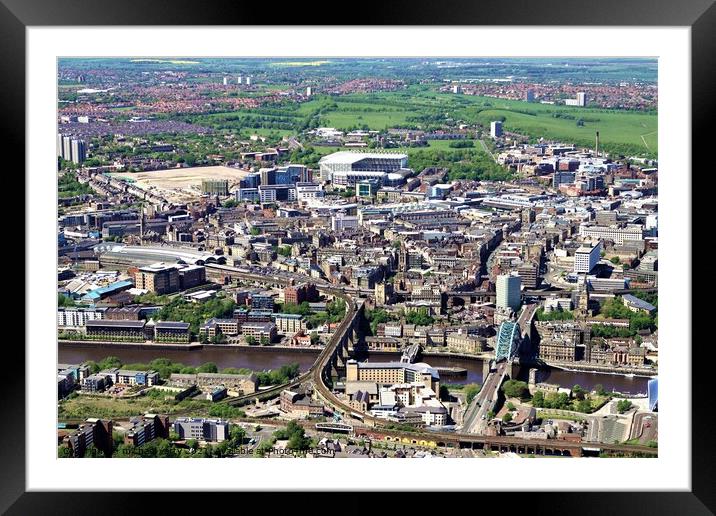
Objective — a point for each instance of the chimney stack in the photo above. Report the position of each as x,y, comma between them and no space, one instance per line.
597,149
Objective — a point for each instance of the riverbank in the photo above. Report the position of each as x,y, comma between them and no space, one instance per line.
131,345
192,346
262,358
604,369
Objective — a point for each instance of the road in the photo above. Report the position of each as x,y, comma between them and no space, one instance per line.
484,147
525,319
475,420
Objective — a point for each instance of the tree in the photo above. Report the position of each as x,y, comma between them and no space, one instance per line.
538,399
490,414
623,406
507,418
208,367
578,392
237,435
192,444
511,406
599,389
63,300
471,390
173,436
64,452
109,363
419,317
585,406
251,341
515,389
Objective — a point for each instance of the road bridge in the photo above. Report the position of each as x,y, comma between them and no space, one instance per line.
512,336
410,353
331,361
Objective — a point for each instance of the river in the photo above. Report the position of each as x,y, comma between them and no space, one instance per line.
264,358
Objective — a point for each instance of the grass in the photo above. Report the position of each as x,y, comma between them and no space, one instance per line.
544,415
82,407
616,127
620,131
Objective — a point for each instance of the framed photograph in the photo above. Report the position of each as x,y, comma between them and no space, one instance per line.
432,235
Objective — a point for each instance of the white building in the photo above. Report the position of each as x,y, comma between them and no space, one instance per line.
339,222
508,291
615,233
202,429
77,317
344,161
581,99
587,257
289,324
305,191
346,179
496,129
558,303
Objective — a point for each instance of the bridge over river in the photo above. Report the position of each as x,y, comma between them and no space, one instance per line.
511,338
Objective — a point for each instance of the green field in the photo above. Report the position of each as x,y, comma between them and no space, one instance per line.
417,107
620,131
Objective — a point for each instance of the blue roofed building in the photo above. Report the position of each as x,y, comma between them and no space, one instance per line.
100,293
635,304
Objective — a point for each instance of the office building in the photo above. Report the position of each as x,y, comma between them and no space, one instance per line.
529,272
236,384
508,291
496,129
297,294
158,278
259,330
132,331
306,191
147,428
248,195
191,276
268,176
273,193
262,302
70,317
172,331
389,373
616,233
94,432
340,222
214,430
367,188
288,324
587,257
562,178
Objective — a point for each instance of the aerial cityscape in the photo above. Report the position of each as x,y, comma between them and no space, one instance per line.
357,257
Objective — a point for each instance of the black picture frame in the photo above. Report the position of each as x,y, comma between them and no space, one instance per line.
16,15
